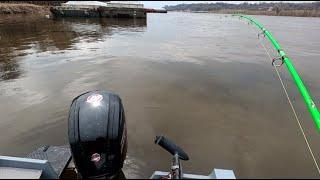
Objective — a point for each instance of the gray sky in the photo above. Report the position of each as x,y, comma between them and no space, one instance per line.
160,4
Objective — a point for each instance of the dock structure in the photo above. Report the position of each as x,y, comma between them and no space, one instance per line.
112,9
156,10
115,12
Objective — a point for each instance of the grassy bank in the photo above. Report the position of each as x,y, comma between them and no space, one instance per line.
24,8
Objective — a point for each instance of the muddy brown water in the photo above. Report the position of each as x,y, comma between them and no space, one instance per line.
203,80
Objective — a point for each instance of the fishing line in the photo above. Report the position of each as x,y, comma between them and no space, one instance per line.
293,110
290,102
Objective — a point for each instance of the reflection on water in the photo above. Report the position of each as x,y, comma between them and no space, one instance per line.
201,79
20,34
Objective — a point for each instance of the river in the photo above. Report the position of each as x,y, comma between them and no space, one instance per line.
201,79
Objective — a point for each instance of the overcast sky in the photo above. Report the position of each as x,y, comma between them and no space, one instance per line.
160,4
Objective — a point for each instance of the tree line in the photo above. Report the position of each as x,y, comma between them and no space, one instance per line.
244,6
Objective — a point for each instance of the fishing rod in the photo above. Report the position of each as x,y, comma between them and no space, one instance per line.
284,59
276,63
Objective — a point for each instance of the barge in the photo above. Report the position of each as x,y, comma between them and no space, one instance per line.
97,9
156,10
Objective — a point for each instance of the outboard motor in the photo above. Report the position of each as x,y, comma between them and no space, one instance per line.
97,134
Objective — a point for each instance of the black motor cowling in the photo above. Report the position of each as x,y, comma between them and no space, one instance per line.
97,134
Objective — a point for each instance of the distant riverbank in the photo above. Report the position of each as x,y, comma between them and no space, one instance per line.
305,9
37,9
24,8
296,13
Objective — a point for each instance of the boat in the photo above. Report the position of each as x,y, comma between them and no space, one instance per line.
97,147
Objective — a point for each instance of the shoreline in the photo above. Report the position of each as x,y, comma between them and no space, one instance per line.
24,9
43,10
290,13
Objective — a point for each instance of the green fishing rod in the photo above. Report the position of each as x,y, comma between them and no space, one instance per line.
294,74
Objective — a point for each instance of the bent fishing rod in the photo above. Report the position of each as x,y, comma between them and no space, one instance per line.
277,62
284,59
